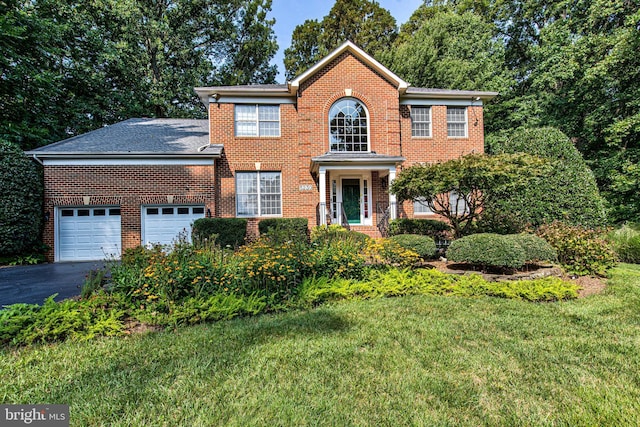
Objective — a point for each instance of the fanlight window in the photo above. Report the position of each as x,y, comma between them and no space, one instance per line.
348,130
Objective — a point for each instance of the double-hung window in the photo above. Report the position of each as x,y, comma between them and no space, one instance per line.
457,122
420,207
257,120
258,194
421,121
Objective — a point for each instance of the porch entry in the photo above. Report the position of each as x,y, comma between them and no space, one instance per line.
351,200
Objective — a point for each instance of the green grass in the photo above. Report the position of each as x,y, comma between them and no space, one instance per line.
417,360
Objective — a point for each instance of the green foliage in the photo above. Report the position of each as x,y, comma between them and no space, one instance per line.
105,61
626,243
385,252
285,229
94,281
227,232
339,256
581,251
393,282
217,307
99,315
326,234
20,201
565,191
273,269
536,249
440,48
425,227
487,250
476,178
424,246
364,22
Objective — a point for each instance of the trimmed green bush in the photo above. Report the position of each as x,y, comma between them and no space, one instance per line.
566,191
626,243
487,250
20,202
324,235
581,250
422,245
227,231
285,229
536,249
425,227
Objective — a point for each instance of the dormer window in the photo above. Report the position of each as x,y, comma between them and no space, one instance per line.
348,126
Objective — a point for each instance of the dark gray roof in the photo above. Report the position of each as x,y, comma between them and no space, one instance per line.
248,87
448,92
176,137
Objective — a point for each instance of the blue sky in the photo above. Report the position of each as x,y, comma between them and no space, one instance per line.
290,13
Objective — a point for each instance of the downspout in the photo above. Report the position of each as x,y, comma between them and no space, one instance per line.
35,157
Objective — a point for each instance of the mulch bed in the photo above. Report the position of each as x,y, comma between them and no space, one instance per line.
589,285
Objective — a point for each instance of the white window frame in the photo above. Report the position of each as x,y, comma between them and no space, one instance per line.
415,108
258,194
255,120
463,208
424,207
367,118
457,122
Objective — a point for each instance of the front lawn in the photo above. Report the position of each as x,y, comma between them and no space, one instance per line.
414,360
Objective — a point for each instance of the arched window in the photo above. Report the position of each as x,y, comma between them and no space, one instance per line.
348,130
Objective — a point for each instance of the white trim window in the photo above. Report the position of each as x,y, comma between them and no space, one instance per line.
348,126
457,122
257,120
420,207
421,122
457,204
258,194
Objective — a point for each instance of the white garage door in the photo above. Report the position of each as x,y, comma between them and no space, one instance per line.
165,224
86,234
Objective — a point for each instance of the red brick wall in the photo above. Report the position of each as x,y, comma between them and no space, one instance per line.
304,134
128,187
439,147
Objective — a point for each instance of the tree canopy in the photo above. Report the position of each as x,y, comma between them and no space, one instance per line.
72,66
566,191
476,179
364,22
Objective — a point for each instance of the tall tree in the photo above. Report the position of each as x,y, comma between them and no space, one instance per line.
81,65
364,22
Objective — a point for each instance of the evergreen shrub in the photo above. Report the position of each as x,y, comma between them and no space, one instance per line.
487,250
424,246
20,202
425,227
226,231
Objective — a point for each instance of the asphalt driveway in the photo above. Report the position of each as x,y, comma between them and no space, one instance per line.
33,283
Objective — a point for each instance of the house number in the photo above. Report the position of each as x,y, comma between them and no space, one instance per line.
306,187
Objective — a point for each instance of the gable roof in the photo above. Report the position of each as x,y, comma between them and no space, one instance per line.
138,138
232,94
350,47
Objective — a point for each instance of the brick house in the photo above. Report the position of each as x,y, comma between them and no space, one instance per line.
324,147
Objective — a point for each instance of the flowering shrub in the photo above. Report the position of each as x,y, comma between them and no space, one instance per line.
339,258
273,269
389,252
581,250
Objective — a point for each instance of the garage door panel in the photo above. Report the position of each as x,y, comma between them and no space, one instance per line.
88,234
163,224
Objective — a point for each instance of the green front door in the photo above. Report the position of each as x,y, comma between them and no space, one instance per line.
351,200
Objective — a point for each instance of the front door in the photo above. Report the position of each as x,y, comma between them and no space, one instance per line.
351,200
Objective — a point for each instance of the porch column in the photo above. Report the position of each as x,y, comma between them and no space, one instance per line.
393,208
322,206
